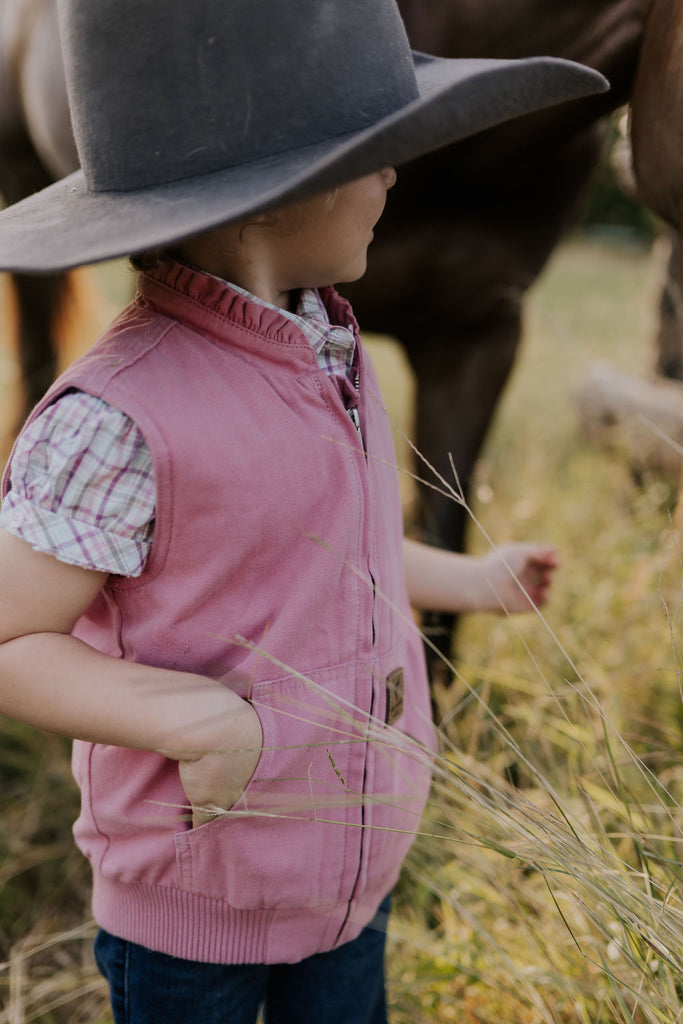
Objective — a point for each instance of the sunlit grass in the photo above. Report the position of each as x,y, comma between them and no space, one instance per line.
565,903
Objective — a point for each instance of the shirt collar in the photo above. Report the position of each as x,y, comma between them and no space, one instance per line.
333,344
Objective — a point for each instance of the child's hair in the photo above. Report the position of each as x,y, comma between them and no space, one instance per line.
152,258
148,260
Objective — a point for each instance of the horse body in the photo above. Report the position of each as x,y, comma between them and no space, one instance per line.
591,31
468,229
34,111
43,90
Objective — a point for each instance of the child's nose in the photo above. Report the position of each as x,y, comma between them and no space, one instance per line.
389,175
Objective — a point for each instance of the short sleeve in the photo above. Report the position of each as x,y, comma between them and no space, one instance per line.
82,486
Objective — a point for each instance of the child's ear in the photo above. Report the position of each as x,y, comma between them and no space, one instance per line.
270,219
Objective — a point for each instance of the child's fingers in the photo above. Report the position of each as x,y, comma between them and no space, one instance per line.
537,574
526,574
544,559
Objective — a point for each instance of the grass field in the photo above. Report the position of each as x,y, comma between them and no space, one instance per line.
554,900
559,900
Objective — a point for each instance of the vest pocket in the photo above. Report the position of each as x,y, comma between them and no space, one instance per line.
286,843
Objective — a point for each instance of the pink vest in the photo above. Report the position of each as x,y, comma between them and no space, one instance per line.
276,569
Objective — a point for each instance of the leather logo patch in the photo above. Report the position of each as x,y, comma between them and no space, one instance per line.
394,686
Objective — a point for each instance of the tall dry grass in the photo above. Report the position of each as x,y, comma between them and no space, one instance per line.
546,883
551,888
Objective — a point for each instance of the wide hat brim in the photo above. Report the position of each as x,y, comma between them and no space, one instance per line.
68,224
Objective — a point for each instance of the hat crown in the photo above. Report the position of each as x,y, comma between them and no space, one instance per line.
164,91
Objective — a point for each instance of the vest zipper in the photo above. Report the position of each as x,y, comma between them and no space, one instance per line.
353,411
355,419
361,850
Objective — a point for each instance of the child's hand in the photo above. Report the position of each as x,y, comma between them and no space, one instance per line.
453,582
214,781
533,566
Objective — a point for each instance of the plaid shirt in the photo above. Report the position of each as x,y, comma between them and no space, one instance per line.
82,475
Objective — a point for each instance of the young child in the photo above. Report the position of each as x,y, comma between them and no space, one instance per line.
201,577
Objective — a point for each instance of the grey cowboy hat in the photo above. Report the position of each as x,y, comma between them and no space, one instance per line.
192,113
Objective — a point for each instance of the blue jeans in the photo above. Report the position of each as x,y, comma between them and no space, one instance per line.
344,986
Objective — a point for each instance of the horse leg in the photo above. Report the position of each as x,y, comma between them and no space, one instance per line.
39,299
669,338
461,381
657,143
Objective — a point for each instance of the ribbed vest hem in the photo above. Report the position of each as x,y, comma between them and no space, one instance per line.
195,927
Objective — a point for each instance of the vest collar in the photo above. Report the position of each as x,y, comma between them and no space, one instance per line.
210,306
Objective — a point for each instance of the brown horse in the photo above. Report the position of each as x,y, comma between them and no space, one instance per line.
467,230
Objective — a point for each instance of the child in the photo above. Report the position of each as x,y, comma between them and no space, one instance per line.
200,564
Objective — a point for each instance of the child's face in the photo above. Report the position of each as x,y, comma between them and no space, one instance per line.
324,240
316,242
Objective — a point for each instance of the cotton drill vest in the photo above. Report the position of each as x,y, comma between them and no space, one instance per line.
276,568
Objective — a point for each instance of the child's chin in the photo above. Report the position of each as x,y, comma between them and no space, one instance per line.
353,273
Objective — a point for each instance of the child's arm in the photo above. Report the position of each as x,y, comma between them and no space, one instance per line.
450,582
50,680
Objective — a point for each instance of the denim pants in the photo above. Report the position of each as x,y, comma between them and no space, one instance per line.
344,986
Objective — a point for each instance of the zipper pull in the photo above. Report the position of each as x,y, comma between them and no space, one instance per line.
353,411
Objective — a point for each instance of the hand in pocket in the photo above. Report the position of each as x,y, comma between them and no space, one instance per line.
215,779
